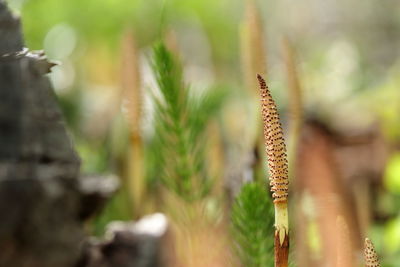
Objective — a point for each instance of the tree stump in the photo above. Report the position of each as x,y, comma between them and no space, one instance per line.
42,200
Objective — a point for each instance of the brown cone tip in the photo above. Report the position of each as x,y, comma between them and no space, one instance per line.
275,145
370,255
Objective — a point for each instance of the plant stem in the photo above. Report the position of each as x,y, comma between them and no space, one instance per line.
281,234
278,169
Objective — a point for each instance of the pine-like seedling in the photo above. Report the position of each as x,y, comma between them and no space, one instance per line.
252,223
177,150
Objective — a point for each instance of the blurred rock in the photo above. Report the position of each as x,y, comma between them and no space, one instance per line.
96,190
129,244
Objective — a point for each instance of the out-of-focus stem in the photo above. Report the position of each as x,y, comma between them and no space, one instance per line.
252,45
295,101
132,95
344,245
253,59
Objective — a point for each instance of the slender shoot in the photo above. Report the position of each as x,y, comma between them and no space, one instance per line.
278,169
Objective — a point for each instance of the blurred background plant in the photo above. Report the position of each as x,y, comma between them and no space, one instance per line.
120,102
178,146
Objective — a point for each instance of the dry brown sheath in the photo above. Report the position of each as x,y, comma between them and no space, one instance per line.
281,251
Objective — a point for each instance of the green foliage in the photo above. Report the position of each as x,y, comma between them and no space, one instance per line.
392,174
252,223
117,209
177,151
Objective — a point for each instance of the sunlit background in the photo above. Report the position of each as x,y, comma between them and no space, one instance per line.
341,55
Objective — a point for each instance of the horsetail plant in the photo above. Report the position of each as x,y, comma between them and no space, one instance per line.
278,169
370,255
